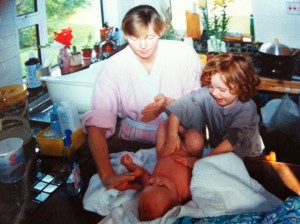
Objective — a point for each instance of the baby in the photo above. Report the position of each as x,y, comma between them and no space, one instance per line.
169,184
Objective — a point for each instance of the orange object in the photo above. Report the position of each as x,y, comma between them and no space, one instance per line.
272,156
193,25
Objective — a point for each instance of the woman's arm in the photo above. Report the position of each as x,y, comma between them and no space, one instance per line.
100,153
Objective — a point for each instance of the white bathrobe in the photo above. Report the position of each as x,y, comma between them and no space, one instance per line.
124,87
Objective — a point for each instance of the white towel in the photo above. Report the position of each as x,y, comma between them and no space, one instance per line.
221,185
97,198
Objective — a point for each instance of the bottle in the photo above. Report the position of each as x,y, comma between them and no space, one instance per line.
55,131
252,32
73,179
68,116
117,36
64,60
32,67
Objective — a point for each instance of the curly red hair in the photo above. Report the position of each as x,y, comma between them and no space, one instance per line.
237,72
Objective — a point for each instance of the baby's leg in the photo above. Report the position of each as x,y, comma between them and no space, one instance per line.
193,142
126,160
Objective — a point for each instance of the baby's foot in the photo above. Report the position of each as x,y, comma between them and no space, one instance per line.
127,161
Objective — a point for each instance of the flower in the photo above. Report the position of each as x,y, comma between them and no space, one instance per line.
215,22
64,37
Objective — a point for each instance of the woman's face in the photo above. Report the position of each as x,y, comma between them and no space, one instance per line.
221,92
144,46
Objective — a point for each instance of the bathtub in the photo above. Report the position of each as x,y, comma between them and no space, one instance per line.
76,87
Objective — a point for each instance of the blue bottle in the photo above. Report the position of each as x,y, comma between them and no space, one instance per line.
73,181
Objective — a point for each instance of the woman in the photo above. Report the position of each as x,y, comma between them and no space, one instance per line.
136,85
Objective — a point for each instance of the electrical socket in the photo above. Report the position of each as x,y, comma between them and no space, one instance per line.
293,7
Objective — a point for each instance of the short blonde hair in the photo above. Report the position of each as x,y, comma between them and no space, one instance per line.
137,20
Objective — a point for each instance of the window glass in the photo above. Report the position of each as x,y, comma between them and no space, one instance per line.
27,40
239,12
25,7
37,29
84,17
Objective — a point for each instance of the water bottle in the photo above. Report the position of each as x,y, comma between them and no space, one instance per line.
252,32
73,179
32,71
117,36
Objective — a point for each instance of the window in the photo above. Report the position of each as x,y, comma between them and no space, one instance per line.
37,19
240,11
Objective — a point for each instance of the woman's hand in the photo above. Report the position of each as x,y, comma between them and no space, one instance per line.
123,181
153,110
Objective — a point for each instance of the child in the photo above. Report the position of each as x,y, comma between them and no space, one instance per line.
168,185
224,105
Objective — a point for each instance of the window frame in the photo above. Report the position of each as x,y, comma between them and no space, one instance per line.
38,19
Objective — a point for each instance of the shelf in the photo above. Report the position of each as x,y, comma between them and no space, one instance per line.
280,86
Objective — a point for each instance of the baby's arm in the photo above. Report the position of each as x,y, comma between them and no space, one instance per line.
126,160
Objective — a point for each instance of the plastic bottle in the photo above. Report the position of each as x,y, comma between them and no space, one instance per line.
55,131
252,32
117,36
73,180
54,120
32,66
68,117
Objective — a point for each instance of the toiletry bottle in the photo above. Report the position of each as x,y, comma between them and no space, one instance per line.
55,131
252,32
32,71
68,116
54,120
117,36
73,179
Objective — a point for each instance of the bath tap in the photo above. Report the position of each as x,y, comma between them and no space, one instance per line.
105,54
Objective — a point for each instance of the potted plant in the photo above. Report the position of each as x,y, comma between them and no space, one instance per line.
87,49
76,57
215,24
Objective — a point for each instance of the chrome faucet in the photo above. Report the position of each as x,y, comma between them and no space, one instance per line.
105,55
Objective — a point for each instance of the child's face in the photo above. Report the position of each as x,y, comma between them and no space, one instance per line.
157,198
221,92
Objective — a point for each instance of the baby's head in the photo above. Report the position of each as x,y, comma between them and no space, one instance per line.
157,199
237,72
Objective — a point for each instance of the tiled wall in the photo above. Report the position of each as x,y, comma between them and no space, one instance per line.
10,63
